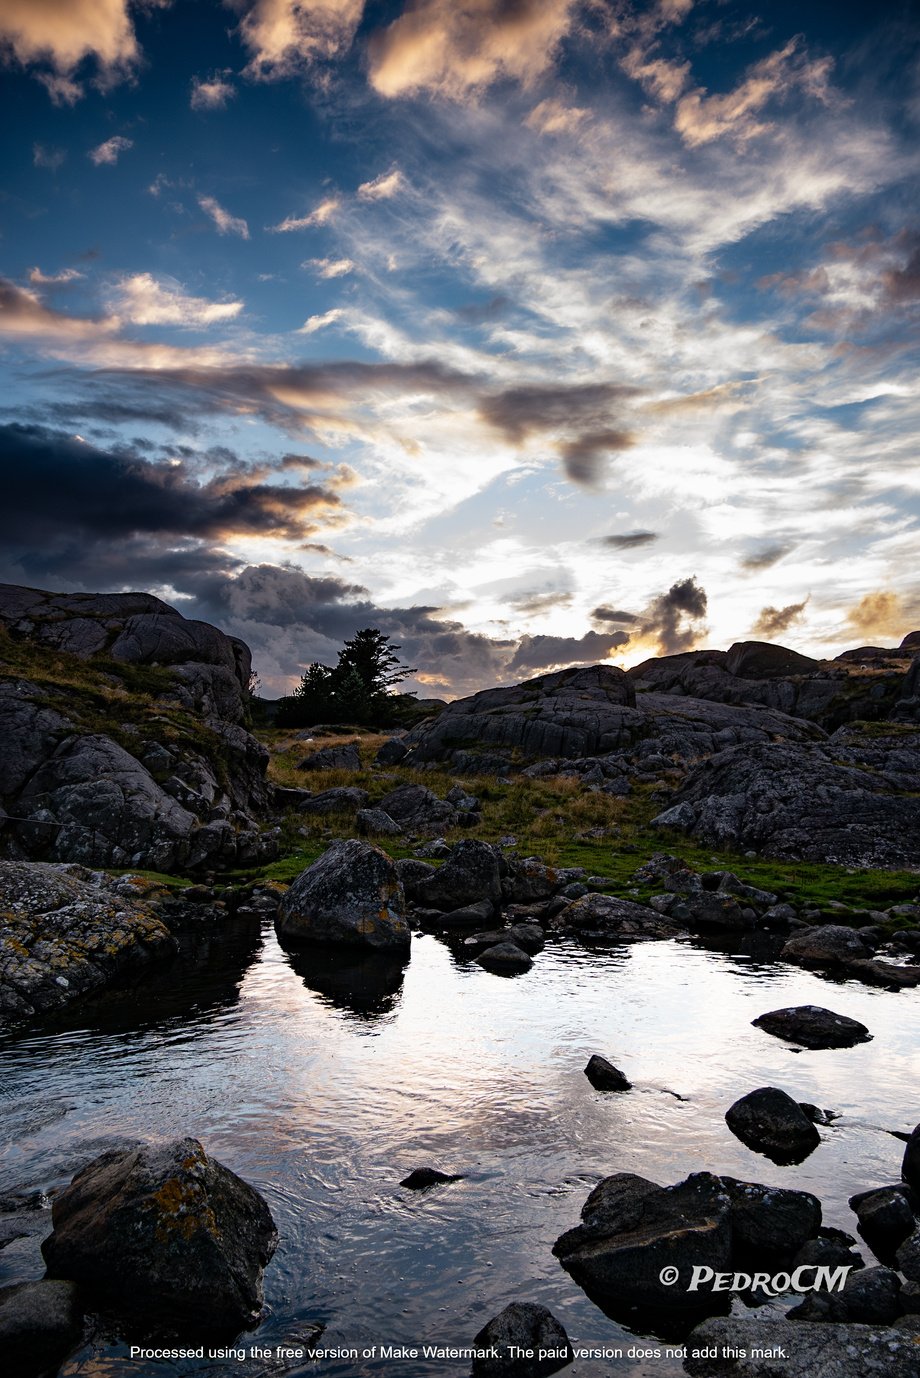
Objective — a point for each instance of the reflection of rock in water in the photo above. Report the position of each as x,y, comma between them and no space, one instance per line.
203,979
366,985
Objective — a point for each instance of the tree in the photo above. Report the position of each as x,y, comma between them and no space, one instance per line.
358,689
370,656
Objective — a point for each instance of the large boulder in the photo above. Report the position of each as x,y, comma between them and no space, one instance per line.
351,896
521,1330
39,1323
418,810
606,916
764,660
828,944
471,873
771,1122
67,933
165,1231
812,1026
770,1224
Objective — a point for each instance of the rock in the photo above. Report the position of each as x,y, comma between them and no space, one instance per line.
421,1178
522,1326
529,936
712,912
376,823
771,1348
344,756
68,933
505,959
417,810
603,1076
165,1231
769,1224
351,896
771,1122
471,874
413,874
533,881
908,1256
886,1218
469,915
632,1229
826,945
39,1323
871,1296
763,660
392,752
910,1166
346,799
607,916
825,1251
813,1027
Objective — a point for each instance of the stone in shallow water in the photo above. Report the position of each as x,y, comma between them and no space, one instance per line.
603,1076
771,1122
528,1327
421,1178
352,896
813,1027
505,959
39,1323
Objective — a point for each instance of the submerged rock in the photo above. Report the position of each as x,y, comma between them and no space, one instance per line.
771,1122
505,959
603,1076
813,1027
528,1327
351,896
39,1323
165,1232
421,1178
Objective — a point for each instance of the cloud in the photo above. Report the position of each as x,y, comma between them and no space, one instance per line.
535,604
107,154
330,267
43,155
550,652
60,34
881,613
314,323
670,617
23,314
382,188
320,216
144,300
772,621
451,50
583,457
225,222
211,93
523,410
54,279
766,558
553,116
631,540
605,614
286,37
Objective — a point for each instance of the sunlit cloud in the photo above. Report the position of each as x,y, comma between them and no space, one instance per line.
211,93
54,279
108,153
314,323
142,299
382,188
553,116
330,267
57,35
225,222
322,214
285,37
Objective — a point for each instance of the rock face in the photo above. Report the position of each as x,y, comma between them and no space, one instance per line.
837,803
351,896
67,932
522,1326
786,1349
813,1027
137,755
167,1232
39,1323
771,1122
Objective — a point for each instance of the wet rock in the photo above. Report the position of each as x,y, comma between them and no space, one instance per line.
529,936
908,1256
471,874
39,1324
607,916
344,756
632,1229
346,799
886,1218
603,1076
870,1296
713,912
522,1326
412,875
825,945
165,1231
813,1027
770,1223
421,1178
66,933
771,1122
827,1251
910,1166
738,1347
468,916
351,896
505,959
376,823
418,810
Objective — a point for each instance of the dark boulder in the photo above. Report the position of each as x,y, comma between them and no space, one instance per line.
769,1224
607,916
471,873
825,945
505,959
908,1256
392,752
376,823
910,1166
39,1323
351,896
770,1122
166,1232
603,1076
813,1027
471,916
764,660
342,756
343,799
870,1296
886,1218
418,810
521,1330
739,1347
421,1178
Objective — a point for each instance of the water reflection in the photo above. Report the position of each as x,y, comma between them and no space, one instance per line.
364,985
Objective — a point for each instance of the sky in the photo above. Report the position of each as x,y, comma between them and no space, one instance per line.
530,332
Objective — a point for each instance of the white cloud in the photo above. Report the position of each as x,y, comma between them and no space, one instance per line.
321,215
288,36
53,279
382,188
225,222
211,93
144,300
60,34
553,116
330,267
315,323
108,153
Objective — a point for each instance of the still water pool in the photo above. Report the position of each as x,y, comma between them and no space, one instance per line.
324,1086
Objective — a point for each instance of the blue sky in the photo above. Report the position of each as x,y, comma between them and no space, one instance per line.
534,332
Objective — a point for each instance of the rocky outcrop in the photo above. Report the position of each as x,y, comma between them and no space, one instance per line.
813,1027
606,916
66,932
350,897
165,1232
811,802
736,1347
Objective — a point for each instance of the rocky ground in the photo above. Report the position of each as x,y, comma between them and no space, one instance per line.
753,793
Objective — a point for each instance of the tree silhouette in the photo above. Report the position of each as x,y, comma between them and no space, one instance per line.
358,689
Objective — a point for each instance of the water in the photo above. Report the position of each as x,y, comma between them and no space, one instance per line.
324,1088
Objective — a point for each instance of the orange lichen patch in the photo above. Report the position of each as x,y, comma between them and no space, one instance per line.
183,1208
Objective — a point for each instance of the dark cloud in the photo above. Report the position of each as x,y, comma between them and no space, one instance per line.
532,604
772,621
146,408
547,652
480,313
763,559
630,540
670,616
58,488
604,614
583,457
902,285
522,411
